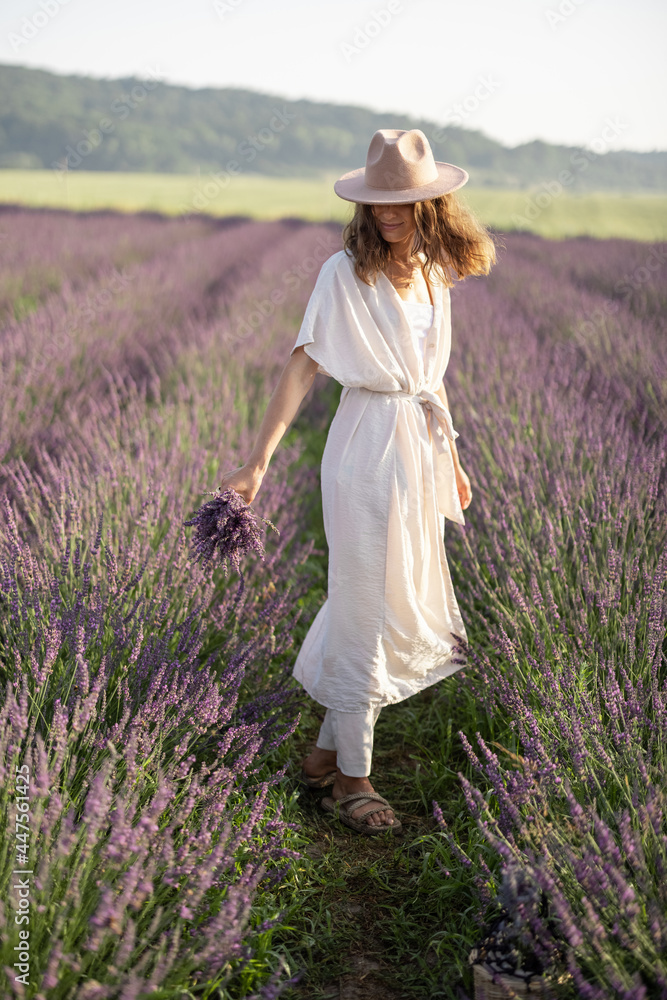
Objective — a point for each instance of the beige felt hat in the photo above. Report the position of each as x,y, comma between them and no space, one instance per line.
399,169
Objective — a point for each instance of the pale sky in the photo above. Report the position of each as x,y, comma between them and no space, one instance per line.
576,72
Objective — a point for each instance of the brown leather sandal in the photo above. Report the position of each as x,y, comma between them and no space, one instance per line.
343,807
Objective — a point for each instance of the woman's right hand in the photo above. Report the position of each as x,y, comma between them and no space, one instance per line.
246,480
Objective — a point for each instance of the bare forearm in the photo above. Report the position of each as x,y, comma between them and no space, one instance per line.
462,481
281,409
295,381
442,392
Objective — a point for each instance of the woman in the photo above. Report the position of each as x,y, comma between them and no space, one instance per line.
378,321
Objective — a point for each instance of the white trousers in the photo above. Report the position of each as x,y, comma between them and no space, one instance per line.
350,734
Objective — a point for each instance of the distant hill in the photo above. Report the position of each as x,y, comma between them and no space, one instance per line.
150,126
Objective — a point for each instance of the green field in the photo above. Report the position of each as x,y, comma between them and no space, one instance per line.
552,213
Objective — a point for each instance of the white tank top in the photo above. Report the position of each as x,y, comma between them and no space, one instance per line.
420,317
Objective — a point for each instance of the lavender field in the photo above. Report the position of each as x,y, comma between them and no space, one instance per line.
156,841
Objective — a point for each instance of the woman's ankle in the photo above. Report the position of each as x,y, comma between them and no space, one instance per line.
321,758
350,781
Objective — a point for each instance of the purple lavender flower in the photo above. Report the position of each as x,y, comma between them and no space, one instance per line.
227,525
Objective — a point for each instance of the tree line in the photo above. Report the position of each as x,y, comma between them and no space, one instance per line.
75,122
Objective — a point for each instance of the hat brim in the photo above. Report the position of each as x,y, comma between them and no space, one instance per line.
352,187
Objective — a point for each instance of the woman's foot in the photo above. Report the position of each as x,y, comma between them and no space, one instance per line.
344,785
319,763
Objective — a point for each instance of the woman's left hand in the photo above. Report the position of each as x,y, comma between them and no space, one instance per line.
463,487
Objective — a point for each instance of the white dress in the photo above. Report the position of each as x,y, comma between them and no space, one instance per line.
389,625
420,316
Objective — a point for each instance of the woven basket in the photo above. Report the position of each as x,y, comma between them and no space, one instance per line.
486,989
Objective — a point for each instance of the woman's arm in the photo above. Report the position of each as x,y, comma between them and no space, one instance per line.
462,482
442,392
295,381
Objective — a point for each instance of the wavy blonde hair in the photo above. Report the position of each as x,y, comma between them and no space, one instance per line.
452,240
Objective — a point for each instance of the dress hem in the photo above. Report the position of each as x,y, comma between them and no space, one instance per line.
428,681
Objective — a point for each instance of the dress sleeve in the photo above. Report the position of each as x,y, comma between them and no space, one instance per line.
322,318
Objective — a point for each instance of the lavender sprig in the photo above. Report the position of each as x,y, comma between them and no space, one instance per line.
228,525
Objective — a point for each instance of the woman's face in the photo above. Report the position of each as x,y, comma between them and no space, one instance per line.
396,222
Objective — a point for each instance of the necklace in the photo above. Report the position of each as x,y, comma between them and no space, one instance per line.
409,284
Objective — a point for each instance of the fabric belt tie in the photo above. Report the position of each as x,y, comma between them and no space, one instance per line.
442,431
440,419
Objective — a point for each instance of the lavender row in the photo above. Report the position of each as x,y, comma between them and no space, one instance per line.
45,252
61,358
559,397
564,564
125,658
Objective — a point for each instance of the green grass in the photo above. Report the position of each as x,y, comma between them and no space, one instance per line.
377,911
556,215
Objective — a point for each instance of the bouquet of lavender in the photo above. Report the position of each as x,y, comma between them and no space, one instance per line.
228,525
